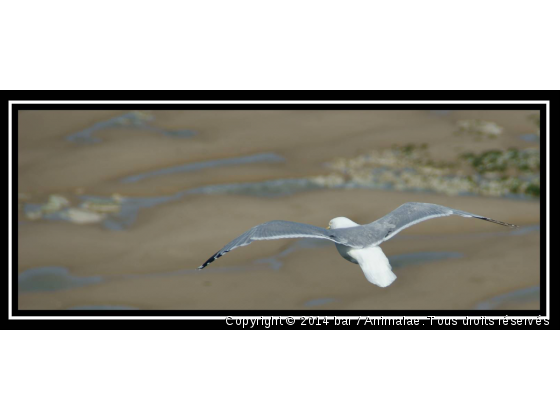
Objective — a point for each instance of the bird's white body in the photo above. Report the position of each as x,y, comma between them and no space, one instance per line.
372,260
374,264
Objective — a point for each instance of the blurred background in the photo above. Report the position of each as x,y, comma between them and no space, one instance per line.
117,209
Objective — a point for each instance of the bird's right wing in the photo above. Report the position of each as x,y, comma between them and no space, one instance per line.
276,229
412,213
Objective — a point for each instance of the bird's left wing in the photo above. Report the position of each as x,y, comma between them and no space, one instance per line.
276,229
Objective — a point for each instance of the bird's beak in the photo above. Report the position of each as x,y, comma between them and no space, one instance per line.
328,227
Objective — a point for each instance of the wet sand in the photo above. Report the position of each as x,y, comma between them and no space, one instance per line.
152,263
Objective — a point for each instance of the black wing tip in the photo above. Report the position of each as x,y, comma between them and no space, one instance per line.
209,261
212,259
499,223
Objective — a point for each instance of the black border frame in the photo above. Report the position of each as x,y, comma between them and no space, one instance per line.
289,105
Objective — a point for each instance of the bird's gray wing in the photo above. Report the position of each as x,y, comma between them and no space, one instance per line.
410,214
276,229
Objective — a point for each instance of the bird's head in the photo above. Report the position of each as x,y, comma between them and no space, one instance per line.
341,222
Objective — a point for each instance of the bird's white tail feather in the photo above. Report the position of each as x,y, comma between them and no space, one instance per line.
375,265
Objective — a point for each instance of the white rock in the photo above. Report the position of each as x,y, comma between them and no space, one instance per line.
81,216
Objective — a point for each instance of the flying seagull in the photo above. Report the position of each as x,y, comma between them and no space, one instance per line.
356,243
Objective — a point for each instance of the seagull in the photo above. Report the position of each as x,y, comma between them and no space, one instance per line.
356,243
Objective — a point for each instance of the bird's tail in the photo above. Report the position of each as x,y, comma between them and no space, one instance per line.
375,266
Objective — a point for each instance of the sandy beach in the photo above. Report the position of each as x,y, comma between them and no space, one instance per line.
151,234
